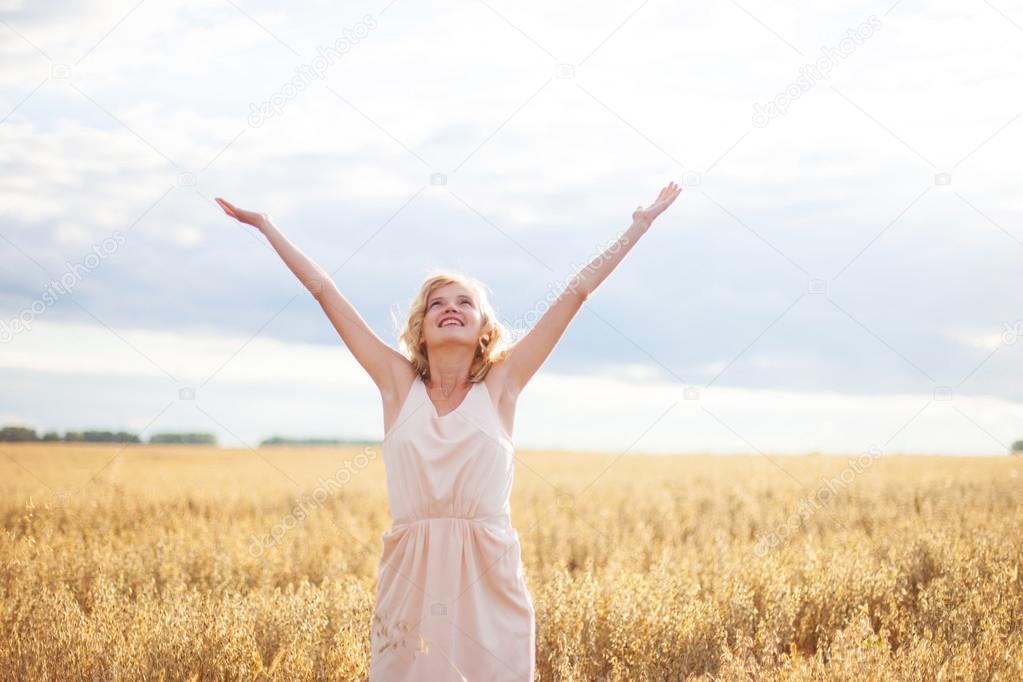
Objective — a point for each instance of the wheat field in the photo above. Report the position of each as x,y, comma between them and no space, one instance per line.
190,563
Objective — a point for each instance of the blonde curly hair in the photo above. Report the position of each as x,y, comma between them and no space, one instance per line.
493,343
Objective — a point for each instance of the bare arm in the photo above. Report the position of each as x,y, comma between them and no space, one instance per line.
529,353
380,360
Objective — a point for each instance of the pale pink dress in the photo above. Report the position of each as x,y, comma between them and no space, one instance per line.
451,602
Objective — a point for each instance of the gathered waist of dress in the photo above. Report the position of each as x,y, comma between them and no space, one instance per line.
499,520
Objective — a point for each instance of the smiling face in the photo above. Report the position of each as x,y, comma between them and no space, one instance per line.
452,316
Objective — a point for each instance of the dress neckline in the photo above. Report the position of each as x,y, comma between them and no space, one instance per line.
433,407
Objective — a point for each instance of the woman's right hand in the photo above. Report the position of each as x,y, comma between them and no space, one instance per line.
257,220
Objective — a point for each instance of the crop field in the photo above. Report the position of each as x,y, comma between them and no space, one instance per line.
177,563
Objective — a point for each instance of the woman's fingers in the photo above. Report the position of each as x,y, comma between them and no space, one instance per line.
229,208
241,215
667,191
670,191
664,199
664,193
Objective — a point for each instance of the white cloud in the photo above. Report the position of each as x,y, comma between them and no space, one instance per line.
92,350
669,91
275,387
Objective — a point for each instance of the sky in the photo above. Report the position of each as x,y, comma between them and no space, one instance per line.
838,274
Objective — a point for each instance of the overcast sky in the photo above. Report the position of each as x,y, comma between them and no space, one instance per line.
839,273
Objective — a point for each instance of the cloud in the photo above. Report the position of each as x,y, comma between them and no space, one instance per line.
246,390
548,125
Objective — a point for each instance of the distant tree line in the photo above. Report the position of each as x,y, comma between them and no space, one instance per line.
282,440
24,434
188,438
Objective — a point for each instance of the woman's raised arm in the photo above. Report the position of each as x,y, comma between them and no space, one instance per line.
529,353
383,363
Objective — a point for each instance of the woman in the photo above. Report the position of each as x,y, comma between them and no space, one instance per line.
452,601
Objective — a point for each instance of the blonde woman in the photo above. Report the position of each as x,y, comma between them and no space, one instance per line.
451,600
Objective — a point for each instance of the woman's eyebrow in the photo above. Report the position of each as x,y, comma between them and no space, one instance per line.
437,298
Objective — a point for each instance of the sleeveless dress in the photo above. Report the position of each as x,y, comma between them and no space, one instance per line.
451,602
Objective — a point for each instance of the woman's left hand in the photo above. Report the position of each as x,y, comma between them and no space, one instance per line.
646,215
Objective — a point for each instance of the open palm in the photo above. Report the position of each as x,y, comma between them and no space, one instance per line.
668,194
240,214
